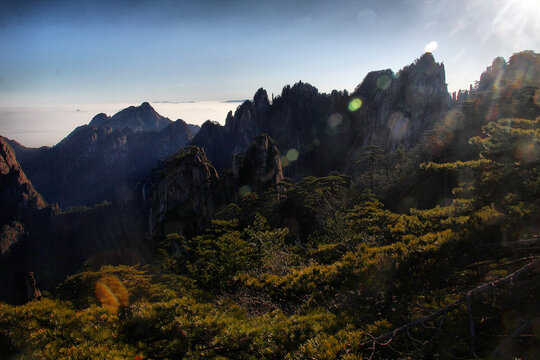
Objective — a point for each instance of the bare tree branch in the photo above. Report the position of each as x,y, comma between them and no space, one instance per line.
533,265
514,334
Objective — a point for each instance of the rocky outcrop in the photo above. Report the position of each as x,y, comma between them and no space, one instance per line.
326,132
293,119
248,121
31,287
136,118
260,167
16,192
181,188
186,189
398,108
96,163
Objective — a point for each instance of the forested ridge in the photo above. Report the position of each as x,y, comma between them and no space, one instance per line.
431,251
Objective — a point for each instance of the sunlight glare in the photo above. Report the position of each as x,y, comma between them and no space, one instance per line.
431,46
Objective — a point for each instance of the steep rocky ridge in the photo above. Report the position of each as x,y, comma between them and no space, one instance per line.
326,133
260,166
137,118
182,188
16,191
97,162
399,108
18,197
38,238
185,191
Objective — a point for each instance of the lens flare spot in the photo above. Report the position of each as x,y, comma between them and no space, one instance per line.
284,161
331,131
292,155
431,46
316,142
245,190
383,82
527,151
398,125
111,293
355,104
335,120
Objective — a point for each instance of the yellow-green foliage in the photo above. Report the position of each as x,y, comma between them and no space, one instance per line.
50,329
81,288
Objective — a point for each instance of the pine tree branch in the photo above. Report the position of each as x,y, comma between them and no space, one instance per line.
533,265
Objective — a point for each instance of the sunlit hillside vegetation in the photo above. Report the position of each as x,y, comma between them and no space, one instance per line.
428,252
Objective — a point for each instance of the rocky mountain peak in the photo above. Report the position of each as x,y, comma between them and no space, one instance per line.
300,89
260,166
260,99
18,198
425,68
184,182
99,118
374,81
16,192
146,106
106,159
137,118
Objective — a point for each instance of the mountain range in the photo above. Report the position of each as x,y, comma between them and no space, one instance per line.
106,159
393,221
142,173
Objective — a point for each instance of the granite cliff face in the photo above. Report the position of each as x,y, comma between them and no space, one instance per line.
16,191
260,167
18,197
105,159
398,108
327,131
38,238
181,188
185,191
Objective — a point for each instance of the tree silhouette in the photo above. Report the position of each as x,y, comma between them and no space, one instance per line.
371,155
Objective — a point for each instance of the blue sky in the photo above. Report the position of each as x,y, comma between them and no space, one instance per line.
56,53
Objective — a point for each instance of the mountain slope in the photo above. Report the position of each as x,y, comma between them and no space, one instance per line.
327,131
18,197
137,118
105,159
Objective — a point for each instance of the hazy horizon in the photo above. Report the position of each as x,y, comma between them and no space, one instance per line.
56,122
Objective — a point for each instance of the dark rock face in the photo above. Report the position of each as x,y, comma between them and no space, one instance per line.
194,129
38,238
260,167
16,192
54,245
136,118
183,186
96,163
186,189
399,108
31,287
18,197
324,130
